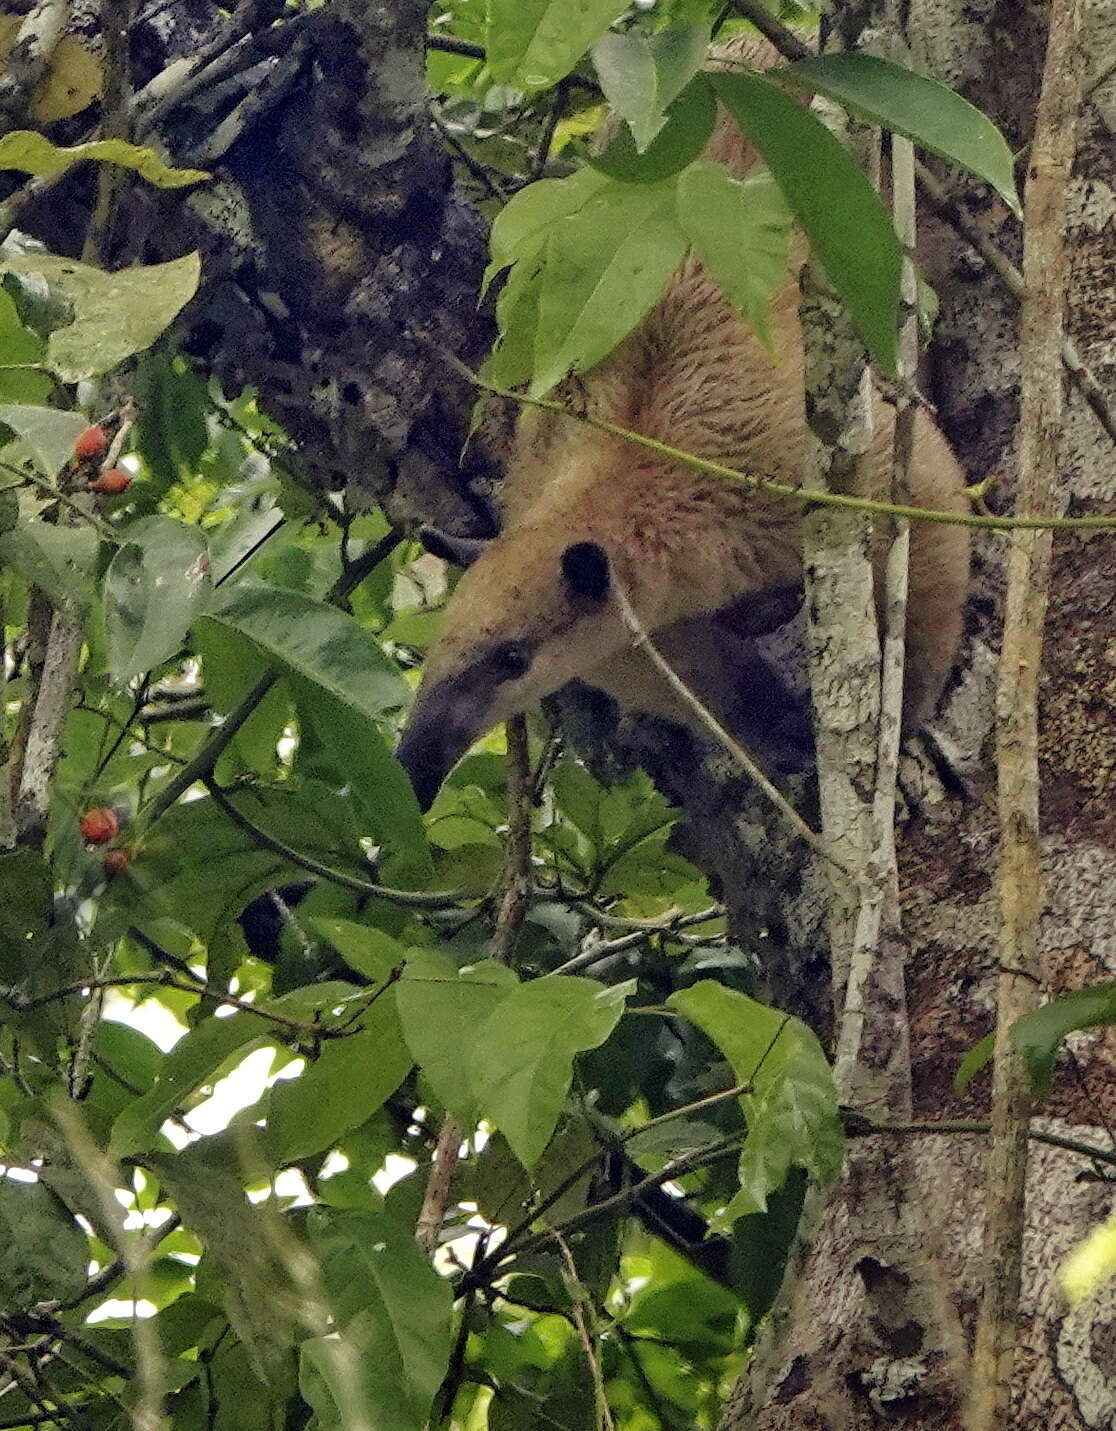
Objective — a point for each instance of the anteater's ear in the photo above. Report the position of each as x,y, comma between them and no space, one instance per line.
461,551
585,568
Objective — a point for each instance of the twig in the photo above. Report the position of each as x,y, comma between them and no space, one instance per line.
857,1125
642,642
514,901
1044,265
116,24
29,58
51,705
416,899
792,48
808,498
640,930
579,1299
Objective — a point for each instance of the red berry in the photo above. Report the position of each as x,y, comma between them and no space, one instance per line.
112,480
99,826
93,442
113,862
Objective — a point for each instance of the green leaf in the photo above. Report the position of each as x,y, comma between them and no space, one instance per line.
48,433
115,314
368,950
332,734
520,228
534,43
642,75
844,220
205,1183
689,123
791,1110
605,269
320,643
32,153
740,229
26,897
18,346
394,1311
926,112
340,1089
977,1057
200,1053
59,560
522,1058
154,587
1038,1035
43,1252
441,1010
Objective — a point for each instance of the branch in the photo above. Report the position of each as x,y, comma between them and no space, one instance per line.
857,1125
51,705
642,642
934,192
1045,262
808,498
416,899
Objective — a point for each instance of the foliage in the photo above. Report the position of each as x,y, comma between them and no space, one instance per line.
320,952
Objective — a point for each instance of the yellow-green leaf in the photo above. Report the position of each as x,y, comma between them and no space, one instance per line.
33,153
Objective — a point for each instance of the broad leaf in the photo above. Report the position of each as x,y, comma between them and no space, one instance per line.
48,433
18,345
198,1055
368,950
641,75
394,1312
534,43
441,1010
26,896
59,560
791,1108
115,314
43,1252
520,228
341,1088
844,220
33,153
522,1057
740,229
1039,1034
320,643
689,123
604,270
926,112
154,587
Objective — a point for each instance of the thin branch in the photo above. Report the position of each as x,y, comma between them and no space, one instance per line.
1045,262
641,930
116,24
50,707
808,498
580,1302
416,899
857,1125
642,642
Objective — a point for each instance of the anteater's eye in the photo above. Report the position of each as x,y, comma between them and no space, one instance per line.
511,659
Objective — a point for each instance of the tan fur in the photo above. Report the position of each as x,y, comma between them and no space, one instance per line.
682,544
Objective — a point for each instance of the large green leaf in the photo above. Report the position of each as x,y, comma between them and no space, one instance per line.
394,1312
441,1010
1039,1034
844,220
32,153
642,75
740,229
58,560
198,1055
534,43
26,896
520,228
43,1252
791,1110
347,749
926,112
115,314
521,1062
318,642
369,951
689,123
341,1088
17,346
154,587
605,268
48,433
